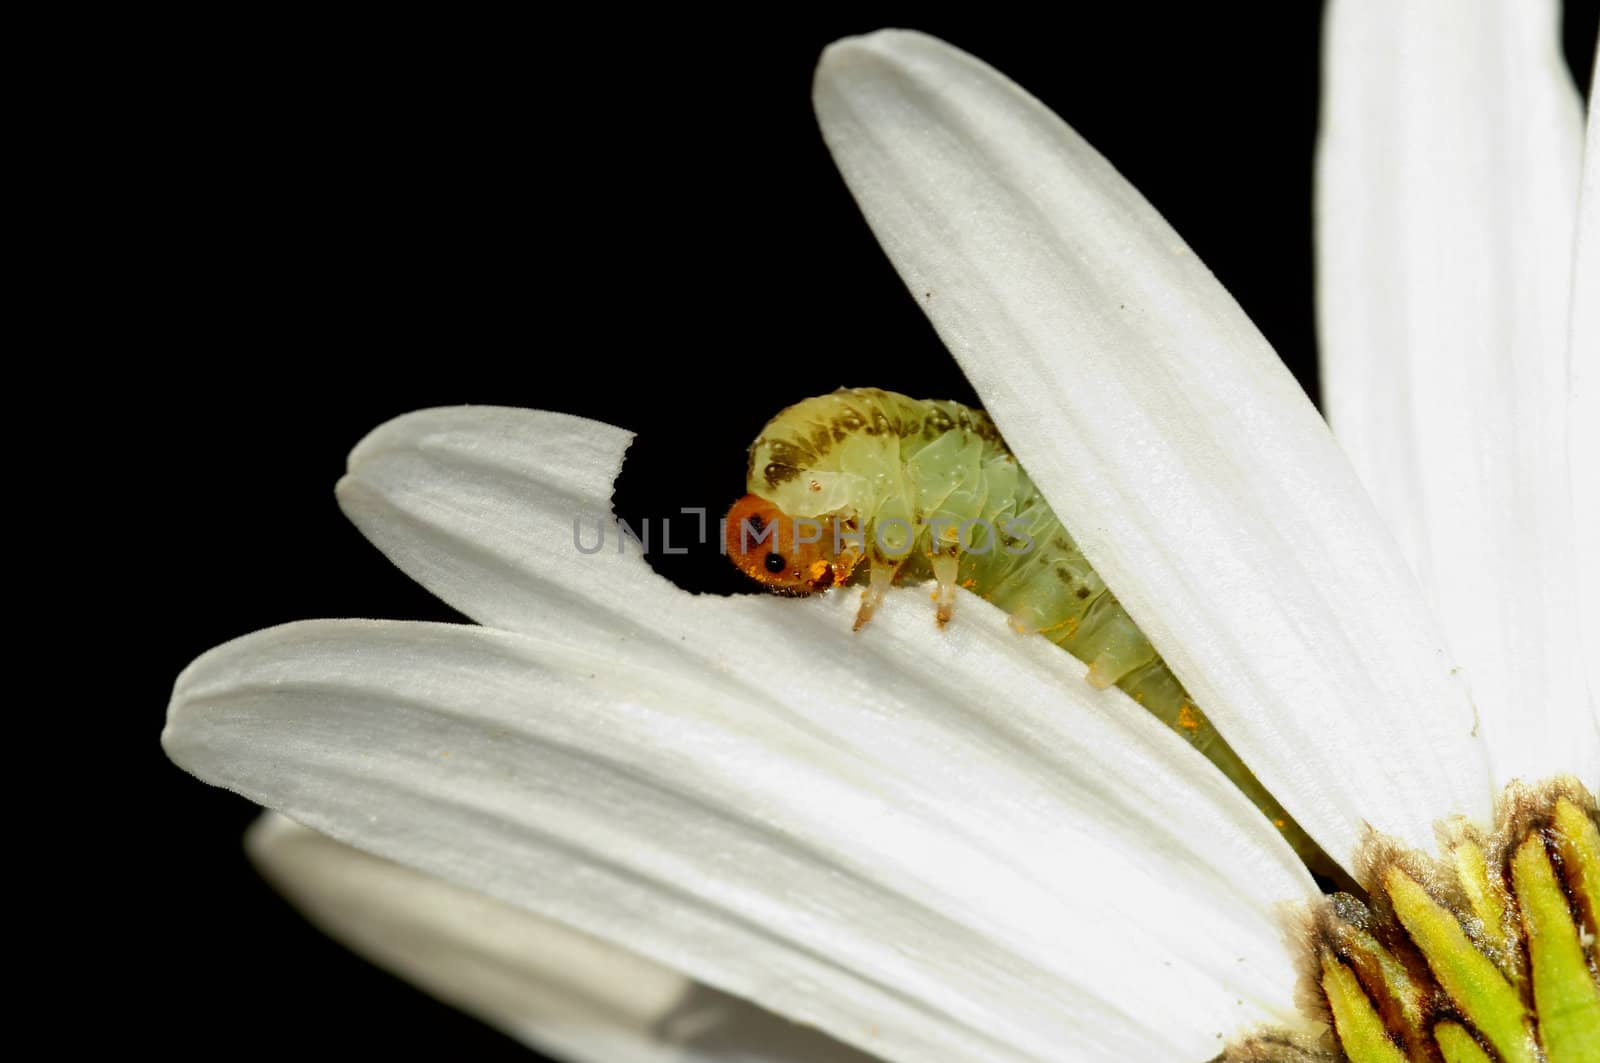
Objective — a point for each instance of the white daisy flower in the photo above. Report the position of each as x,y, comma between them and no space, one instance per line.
619,820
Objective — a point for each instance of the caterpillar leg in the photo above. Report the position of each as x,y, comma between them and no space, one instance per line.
882,575
845,562
1111,644
1026,620
944,552
1115,661
945,567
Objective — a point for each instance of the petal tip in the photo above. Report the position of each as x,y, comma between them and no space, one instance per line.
401,428
880,47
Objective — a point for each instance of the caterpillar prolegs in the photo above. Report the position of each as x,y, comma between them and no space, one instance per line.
927,488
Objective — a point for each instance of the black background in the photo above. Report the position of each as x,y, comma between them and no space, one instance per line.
308,228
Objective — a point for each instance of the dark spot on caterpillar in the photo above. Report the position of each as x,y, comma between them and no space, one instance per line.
775,563
757,525
777,473
1082,592
820,441
909,428
853,421
1062,543
787,453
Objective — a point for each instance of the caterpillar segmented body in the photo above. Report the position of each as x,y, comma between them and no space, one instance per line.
927,488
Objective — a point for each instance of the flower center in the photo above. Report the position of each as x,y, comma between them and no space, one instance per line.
1488,953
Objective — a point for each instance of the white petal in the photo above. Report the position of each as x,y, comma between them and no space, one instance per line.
1194,473
553,988
931,844
1584,381
1447,183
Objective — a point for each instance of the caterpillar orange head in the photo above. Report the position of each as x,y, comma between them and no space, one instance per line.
784,555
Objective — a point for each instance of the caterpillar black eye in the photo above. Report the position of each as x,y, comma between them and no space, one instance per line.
775,563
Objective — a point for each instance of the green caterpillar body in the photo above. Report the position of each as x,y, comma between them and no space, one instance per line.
931,490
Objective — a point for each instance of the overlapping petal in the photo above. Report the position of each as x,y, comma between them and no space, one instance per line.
1447,196
1583,378
930,844
1191,468
555,989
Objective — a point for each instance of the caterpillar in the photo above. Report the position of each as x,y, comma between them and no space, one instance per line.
927,488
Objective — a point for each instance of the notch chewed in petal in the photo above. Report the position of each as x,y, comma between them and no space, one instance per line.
1194,473
928,843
